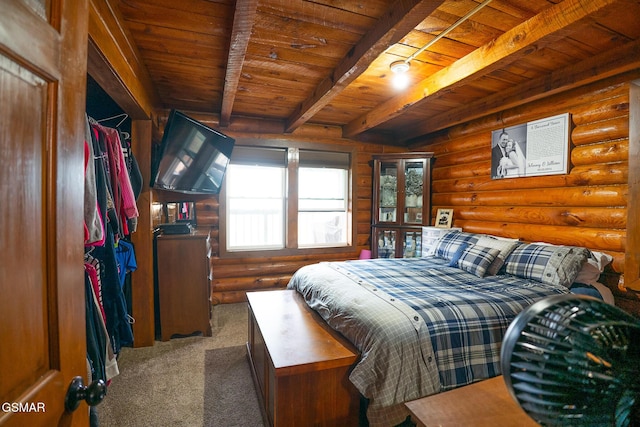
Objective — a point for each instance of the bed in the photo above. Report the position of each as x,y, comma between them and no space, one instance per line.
426,325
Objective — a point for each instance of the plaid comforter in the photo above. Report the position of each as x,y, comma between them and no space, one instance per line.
421,326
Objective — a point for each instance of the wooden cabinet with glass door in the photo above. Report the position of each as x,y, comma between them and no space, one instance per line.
401,203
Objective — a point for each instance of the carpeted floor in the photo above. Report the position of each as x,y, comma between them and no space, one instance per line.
227,389
191,381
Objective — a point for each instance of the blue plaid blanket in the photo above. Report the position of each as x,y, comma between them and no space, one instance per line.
421,326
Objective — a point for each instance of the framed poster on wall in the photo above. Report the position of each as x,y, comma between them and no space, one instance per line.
540,147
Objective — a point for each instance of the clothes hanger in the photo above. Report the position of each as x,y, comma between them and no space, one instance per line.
124,116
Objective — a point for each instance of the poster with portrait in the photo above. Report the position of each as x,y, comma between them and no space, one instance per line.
540,147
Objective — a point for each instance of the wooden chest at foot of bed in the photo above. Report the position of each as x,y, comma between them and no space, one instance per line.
300,365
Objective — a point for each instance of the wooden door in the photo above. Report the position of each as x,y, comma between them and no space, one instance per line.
42,323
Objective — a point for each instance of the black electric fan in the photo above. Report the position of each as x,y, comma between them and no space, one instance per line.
572,360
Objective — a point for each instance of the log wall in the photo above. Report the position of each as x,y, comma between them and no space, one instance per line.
586,207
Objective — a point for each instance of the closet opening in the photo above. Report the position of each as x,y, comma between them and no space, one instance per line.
113,182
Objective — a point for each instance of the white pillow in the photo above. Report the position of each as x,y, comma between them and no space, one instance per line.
600,259
591,270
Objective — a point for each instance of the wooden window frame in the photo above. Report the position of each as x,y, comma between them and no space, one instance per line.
291,232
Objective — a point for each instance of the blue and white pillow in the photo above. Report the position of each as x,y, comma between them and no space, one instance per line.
556,265
449,243
504,246
475,259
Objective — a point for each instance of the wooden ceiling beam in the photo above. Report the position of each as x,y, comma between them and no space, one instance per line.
617,61
243,20
402,18
509,47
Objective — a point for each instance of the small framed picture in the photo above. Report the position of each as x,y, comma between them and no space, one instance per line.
444,217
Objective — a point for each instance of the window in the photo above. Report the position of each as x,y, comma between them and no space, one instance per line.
256,207
280,199
322,199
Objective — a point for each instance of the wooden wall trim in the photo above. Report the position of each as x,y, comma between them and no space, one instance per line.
142,289
115,63
632,259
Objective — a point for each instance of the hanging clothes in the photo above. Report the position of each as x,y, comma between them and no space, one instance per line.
92,270
110,204
118,324
120,184
126,257
96,342
102,360
94,228
135,177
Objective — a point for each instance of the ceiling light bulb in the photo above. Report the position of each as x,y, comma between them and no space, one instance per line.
400,79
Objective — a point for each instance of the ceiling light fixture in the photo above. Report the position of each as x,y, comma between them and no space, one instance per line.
399,68
400,78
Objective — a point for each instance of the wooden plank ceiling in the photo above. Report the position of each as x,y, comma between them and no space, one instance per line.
327,61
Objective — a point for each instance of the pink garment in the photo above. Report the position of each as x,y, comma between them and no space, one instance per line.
119,174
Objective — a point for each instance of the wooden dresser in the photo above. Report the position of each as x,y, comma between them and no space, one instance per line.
300,365
183,284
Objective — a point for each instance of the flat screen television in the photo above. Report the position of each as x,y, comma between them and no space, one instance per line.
192,157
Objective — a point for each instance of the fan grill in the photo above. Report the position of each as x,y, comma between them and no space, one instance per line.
574,360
